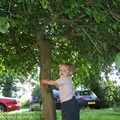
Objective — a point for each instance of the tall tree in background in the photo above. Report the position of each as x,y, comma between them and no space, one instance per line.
43,32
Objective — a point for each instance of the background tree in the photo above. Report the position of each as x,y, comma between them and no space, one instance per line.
7,85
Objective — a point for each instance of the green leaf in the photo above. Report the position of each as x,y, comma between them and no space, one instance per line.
117,61
19,0
1,3
4,25
44,3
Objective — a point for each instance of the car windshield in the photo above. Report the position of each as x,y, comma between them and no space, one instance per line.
83,92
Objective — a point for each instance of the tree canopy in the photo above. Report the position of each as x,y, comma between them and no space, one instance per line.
91,26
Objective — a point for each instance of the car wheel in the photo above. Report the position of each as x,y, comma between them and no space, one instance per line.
3,108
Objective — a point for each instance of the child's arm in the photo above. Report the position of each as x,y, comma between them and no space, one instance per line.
49,82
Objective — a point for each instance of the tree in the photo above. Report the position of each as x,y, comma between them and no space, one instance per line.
7,85
86,32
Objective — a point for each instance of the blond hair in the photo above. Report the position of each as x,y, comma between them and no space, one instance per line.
69,66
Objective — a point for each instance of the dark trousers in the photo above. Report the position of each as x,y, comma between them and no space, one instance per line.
70,110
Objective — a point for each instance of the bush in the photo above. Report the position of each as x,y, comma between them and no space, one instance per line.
25,103
116,107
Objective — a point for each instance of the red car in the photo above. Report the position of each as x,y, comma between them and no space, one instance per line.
9,104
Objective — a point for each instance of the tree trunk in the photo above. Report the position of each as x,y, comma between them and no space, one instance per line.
49,112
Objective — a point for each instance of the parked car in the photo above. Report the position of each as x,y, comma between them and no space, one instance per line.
87,98
56,98
9,104
36,102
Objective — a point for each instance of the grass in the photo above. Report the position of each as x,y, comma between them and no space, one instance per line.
86,114
20,116
93,114
102,114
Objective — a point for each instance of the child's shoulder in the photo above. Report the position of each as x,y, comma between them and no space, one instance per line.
66,78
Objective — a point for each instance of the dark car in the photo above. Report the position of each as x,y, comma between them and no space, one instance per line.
56,98
84,98
9,104
87,98
36,102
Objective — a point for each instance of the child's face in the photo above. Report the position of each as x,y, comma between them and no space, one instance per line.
64,71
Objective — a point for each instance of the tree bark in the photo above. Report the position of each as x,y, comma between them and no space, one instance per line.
59,1
49,112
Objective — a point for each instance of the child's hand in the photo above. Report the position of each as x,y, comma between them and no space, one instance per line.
44,81
49,82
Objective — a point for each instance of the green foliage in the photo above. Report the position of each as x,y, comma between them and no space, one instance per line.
116,95
25,103
19,0
7,85
24,1
1,3
18,53
116,107
117,61
44,3
109,93
4,25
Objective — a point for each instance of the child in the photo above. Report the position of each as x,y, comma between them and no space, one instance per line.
69,105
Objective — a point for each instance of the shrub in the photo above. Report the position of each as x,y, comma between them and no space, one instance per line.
25,103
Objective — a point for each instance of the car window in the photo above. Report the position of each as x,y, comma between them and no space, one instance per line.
78,93
81,93
86,92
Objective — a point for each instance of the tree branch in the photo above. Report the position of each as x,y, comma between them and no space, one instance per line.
91,40
60,1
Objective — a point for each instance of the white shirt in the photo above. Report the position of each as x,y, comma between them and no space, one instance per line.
65,86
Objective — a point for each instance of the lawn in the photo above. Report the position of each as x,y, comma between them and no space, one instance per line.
20,116
103,114
86,114
93,114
